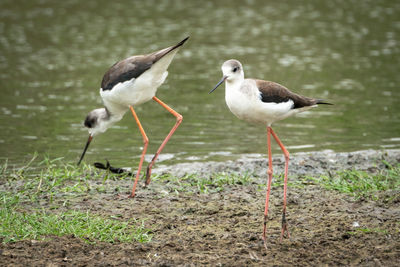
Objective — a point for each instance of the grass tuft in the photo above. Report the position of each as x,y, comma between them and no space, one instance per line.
361,183
27,188
38,225
362,231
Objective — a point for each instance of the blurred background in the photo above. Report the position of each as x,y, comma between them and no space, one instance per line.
53,55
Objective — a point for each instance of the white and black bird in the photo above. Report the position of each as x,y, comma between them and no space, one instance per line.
264,102
129,83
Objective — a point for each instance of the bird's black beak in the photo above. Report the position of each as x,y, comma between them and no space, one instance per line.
219,83
86,147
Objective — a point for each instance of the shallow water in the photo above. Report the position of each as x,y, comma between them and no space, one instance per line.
53,56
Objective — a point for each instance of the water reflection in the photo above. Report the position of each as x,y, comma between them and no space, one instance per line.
53,55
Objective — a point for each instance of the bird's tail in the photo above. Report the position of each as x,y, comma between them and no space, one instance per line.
162,53
323,102
180,43
164,57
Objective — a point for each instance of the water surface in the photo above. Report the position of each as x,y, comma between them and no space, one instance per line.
53,55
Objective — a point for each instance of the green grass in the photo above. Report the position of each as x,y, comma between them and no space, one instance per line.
50,180
293,182
361,183
38,225
361,231
52,177
31,209
35,200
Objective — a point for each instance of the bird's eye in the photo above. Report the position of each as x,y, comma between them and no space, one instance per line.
235,69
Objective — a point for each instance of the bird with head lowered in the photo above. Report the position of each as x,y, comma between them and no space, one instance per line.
127,84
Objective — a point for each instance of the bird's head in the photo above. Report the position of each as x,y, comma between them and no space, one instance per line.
232,71
97,121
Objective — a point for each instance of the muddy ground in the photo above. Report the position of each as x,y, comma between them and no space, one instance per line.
224,228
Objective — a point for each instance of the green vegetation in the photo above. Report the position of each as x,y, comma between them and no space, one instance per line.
361,183
57,180
38,202
52,177
297,182
16,226
31,196
361,231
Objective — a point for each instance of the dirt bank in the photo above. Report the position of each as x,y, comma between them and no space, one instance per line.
307,163
223,228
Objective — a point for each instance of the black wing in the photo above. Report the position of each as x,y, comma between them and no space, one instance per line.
126,70
133,67
274,92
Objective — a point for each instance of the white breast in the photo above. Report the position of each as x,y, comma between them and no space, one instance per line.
137,91
244,101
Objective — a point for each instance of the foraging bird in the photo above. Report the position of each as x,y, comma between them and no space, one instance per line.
265,102
127,84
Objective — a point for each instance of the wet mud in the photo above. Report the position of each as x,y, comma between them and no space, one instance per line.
224,228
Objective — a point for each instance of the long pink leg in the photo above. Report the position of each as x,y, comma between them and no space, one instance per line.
178,122
286,153
145,142
269,183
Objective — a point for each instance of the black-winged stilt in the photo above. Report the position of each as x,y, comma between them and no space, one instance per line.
263,102
128,83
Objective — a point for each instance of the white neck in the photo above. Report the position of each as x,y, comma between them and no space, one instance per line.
115,109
